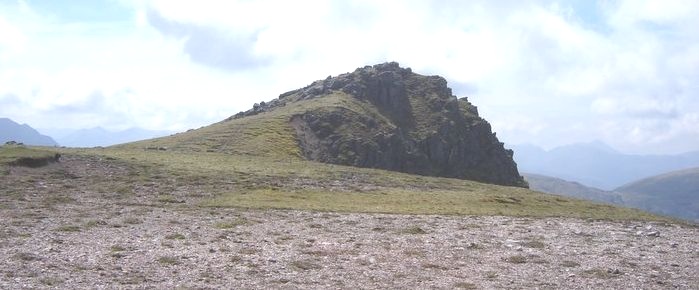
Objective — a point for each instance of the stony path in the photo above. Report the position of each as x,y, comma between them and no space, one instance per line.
88,241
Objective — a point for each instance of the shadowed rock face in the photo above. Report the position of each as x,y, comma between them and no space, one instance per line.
415,125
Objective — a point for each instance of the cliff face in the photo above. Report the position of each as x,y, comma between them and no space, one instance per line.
408,122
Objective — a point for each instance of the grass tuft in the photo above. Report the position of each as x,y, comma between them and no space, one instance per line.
534,244
305,265
132,221
175,236
516,259
26,257
465,285
51,281
570,264
166,198
225,225
68,228
169,260
25,156
415,230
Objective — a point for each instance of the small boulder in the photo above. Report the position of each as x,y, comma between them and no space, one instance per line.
653,234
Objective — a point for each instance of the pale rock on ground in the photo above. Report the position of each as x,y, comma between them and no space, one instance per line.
92,241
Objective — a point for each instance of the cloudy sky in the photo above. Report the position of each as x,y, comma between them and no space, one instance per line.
542,72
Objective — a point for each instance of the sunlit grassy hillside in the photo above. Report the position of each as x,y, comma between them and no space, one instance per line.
268,134
675,193
256,162
228,180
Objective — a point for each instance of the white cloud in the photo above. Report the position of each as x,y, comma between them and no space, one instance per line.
12,39
631,13
542,72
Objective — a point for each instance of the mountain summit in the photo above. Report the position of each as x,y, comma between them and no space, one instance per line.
380,116
12,131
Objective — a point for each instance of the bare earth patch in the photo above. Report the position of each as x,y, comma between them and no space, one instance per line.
129,236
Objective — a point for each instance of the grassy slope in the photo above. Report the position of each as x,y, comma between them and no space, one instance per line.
683,183
675,193
9,153
12,155
267,134
268,182
255,162
559,186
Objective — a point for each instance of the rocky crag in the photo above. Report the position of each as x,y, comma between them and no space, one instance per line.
409,123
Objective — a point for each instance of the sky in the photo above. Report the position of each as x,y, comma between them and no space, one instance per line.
546,73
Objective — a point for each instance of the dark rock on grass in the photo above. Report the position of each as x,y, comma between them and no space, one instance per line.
35,162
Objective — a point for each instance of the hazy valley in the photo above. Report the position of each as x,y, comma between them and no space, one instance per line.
671,194
597,165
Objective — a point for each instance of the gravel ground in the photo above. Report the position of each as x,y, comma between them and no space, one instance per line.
89,240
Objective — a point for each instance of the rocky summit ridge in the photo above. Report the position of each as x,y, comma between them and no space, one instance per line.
403,121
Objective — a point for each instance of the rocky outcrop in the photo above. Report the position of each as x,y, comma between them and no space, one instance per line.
410,123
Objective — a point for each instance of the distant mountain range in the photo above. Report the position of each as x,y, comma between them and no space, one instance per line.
559,186
596,164
12,131
101,137
673,194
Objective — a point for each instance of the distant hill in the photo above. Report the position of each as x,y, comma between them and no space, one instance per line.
675,194
12,131
559,186
101,137
596,164
380,116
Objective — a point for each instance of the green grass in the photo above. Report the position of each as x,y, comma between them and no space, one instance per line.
516,259
132,221
68,228
229,224
269,182
465,285
175,236
255,162
451,202
166,198
601,273
277,177
267,134
305,265
569,264
169,260
12,153
413,231
535,244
